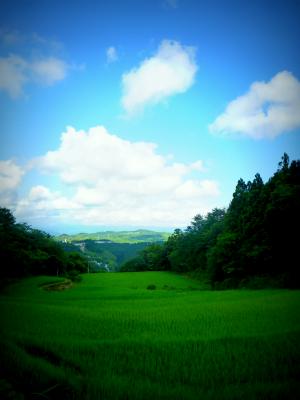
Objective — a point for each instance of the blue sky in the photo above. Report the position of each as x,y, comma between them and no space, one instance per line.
168,104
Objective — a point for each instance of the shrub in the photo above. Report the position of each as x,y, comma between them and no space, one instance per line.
74,276
151,287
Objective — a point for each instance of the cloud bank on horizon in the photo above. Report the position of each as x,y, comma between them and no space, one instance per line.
139,186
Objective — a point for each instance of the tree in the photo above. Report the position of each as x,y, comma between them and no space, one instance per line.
255,237
222,258
26,251
7,220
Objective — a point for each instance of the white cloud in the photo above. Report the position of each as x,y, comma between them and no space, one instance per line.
41,197
192,188
170,71
48,71
266,111
111,54
10,175
44,205
13,75
38,193
10,178
15,72
40,62
117,182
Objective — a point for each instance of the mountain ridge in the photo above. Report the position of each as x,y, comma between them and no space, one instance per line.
135,236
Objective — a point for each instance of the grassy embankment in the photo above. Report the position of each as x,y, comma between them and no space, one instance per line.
110,337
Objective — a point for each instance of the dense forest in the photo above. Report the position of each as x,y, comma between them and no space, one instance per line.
104,256
26,251
255,241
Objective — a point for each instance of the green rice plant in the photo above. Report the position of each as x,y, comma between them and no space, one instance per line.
110,337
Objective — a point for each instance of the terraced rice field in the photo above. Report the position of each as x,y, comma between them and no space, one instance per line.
148,335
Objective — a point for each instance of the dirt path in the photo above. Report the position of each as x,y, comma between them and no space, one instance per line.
58,286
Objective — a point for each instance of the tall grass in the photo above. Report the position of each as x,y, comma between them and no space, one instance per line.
110,337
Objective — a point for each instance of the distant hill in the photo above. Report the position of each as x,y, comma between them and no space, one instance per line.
110,249
138,236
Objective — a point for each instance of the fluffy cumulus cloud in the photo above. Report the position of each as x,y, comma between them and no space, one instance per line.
10,175
170,71
266,111
43,204
10,178
113,181
111,54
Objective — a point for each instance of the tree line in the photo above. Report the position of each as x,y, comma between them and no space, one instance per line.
26,251
254,241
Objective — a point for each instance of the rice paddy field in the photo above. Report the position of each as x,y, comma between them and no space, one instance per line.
151,335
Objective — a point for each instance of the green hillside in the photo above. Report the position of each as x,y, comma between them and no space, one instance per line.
105,255
148,335
138,236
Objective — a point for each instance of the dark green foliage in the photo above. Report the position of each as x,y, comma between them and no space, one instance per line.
259,230
26,251
149,259
151,287
256,237
113,254
73,275
105,256
136,264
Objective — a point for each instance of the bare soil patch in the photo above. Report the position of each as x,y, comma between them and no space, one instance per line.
58,286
